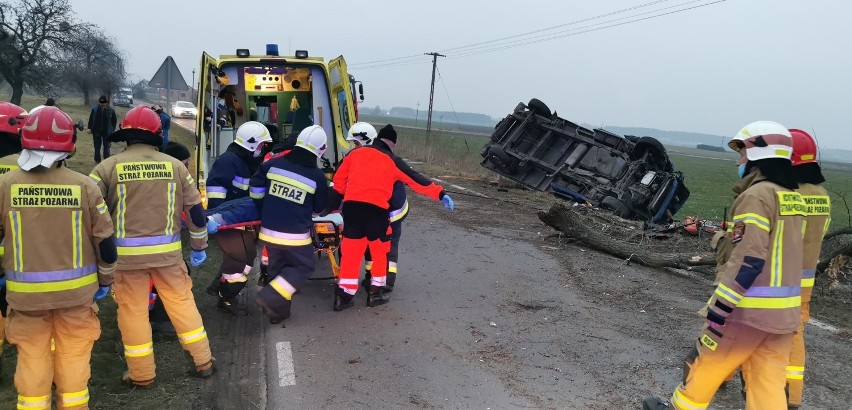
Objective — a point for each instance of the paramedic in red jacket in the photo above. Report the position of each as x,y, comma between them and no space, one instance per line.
365,181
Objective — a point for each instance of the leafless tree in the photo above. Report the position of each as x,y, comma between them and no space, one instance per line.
31,34
93,61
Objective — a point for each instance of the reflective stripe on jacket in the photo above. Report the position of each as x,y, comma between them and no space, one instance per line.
818,206
52,221
287,195
229,177
398,203
762,286
146,192
7,163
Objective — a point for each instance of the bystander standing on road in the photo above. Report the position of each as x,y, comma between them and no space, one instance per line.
102,122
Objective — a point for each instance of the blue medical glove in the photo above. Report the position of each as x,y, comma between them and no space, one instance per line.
448,202
212,226
197,257
102,292
2,281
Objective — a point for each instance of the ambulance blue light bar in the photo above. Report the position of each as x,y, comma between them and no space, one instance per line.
272,49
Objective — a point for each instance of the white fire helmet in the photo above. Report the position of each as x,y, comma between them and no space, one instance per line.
313,139
362,132
252,135
763,140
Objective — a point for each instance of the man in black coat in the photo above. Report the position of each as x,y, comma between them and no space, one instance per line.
101,124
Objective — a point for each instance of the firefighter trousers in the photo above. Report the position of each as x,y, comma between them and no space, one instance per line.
174,287
364,226
393,255
796,367
763,357
239,249
289,268
75,330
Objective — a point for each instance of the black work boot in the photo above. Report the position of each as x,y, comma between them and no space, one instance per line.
365,283
233,307
263,280
654,403
213,287
274,317
342,300
376,297
391,281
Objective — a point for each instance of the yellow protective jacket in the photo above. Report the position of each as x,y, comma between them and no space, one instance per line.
146,192
762,285
7,163
818,208
52,221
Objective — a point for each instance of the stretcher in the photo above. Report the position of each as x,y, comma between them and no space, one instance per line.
325,236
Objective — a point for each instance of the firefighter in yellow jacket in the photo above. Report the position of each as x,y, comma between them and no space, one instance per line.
755,309
12,118
146,191
818,206
60,258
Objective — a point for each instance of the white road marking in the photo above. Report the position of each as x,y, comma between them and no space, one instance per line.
700,278
286,372
459,187
823,325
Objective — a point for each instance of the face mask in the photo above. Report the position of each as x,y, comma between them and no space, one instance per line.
741,170
257,153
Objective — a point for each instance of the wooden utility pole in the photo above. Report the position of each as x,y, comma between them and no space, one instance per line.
432,91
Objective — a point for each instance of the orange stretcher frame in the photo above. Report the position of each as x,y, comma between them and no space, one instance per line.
325,236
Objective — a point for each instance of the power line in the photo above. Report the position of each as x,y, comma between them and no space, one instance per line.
415,56
557,26
574,32
450,100
499,44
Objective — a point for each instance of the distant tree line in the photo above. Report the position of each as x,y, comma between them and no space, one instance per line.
46,50
448,116
710,147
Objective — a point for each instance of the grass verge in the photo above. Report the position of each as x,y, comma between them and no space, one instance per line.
174,388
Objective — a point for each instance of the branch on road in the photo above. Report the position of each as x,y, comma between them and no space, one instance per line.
577,226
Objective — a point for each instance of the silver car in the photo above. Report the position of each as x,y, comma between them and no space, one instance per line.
184,109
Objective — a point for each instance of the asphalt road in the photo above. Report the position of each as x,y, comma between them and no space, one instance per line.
490,313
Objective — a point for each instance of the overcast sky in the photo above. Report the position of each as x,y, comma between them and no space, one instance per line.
711,69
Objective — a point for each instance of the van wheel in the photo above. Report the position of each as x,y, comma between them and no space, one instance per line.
653,147
537,107
500,159
616,206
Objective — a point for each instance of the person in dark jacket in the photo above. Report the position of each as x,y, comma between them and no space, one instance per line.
386,141
102,122
166,120
288,190
229,180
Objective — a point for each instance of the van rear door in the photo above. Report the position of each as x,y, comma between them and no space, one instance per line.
341,97
206,100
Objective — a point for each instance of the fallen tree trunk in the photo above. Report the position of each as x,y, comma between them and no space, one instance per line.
572,224
826,259
841,231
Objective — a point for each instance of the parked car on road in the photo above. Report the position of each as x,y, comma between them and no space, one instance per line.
632,176
121,100
184,109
